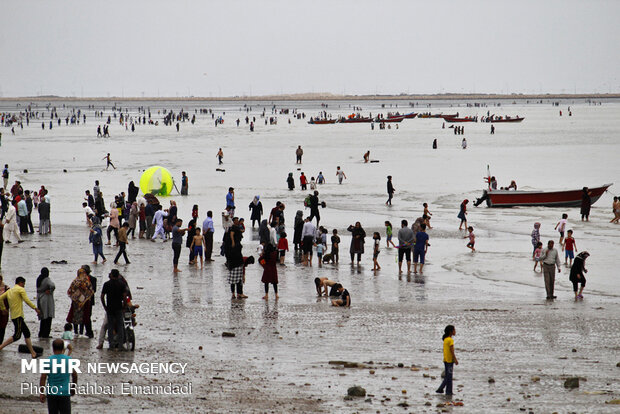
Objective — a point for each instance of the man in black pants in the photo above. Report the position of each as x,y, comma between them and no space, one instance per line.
122,243
59,391
314,207
112,295
177,243
390,190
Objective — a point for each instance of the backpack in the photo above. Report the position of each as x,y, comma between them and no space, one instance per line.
307,201
96,238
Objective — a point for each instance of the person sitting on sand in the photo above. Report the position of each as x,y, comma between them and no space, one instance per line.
345,298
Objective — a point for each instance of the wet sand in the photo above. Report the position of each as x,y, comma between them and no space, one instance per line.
278,360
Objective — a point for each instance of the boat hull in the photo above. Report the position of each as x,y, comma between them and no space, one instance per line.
323,122
460,120
507,120
354,120
391,119
570,198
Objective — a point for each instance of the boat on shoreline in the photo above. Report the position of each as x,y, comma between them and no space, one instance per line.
562,198
466,119
390,119
507,119
322,121
354,120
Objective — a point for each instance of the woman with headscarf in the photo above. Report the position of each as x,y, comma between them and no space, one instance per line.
133,219
81,293
256,207
263,233
578,273
299,226
96,239
114,223
45,302
357,241
88,324
586,203
132,192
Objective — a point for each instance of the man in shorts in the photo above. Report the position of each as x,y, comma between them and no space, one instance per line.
16,296
406,239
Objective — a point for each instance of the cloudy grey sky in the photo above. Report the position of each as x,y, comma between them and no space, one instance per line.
228,47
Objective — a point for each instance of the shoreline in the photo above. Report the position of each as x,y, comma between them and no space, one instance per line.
326,97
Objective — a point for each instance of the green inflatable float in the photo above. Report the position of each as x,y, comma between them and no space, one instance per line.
157,181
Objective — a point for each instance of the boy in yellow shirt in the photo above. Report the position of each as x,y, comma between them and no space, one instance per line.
16,296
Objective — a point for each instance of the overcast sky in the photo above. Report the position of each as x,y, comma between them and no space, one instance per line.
227,47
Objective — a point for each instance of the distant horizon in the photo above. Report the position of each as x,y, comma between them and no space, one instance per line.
335,97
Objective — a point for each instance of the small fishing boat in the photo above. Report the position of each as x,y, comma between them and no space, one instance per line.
507,119
456,115
430,116
410,115
354,120
466,119
391,119
322,121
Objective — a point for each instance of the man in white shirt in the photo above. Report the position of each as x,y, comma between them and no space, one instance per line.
550,258
158,220
308,233
10,224
89,213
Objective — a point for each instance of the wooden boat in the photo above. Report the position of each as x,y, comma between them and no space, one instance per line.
322,121
410,115
566,198
430,116
516,119
391,119
354,120
467,119
456,115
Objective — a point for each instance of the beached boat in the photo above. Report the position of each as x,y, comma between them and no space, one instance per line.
507,119
430,116
467,119
456,115
322,121
566,198
354,120
410,115
391,119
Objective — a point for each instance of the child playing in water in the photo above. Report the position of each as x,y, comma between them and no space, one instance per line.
282,247
535,239
196,246
570,247
375,253
472,238
335,244
67,337
312,184
561,226
537,253
388,234
320,249
427,214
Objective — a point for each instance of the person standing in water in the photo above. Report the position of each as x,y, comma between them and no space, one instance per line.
340,174
108,162
449,360
390,191
184,183
298,154
220,156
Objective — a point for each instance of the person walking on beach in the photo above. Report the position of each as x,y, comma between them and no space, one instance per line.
340,174
463,214
472,238
10,224
550,259
561,227
96,239
57,383
15,298
45,302
314,207
449,360
535,237
570,247
81,293
122,243
256,207
406,238
298,154
220,156
158,221
108,162
390,190
577,273
464,143
112,298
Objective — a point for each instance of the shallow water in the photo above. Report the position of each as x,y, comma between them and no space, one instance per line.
505,328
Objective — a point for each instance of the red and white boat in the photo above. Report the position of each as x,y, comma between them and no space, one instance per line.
515,198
